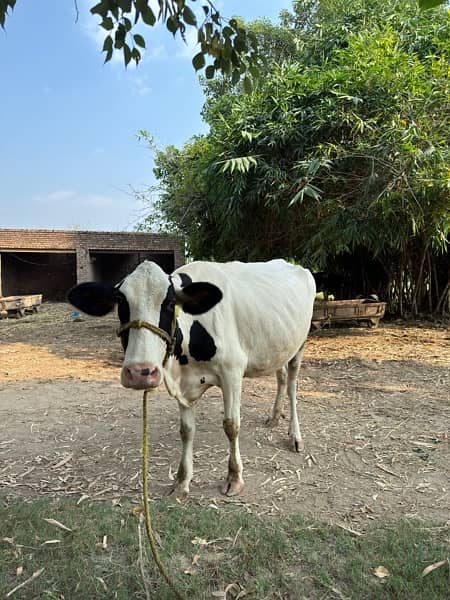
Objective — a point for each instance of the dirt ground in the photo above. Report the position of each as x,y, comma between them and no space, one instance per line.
374,406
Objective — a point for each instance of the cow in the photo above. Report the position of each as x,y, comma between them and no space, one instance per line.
236,320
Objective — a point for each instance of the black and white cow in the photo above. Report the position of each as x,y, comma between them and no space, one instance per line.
237,320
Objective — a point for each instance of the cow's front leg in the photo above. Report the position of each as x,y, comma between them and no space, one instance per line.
187,432
231,425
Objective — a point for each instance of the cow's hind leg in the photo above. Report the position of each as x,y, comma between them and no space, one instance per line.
231,391
187,432
277,410
295,436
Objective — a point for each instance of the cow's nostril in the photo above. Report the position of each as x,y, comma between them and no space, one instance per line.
145,372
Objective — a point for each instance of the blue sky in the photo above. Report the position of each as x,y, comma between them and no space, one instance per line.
69,153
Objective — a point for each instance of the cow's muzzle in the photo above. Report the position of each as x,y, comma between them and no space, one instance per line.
141,376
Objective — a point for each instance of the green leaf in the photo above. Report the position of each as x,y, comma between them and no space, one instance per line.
248,85
235,76
126,54
189,16
136,55
148,16
227,32
198,61
254,71
424,4
297,198
139,40
119,37
210,71
125,5
240,43
108,48
107,24
242,164
172,25
208,30
312,191
100,9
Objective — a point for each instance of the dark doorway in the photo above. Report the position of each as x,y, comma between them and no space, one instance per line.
112,267
48,273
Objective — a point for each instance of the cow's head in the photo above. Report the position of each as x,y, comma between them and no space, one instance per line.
145,297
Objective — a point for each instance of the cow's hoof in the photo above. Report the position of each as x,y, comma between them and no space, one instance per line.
232,488
274,420
181,490
296,444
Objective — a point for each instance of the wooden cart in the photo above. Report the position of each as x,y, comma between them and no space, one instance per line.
337,311
18,306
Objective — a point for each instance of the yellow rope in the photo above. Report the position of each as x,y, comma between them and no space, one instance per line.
148,523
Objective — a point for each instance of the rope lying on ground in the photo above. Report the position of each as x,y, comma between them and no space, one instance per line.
148,522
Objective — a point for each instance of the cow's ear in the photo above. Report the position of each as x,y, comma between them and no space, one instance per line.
93,298
198,297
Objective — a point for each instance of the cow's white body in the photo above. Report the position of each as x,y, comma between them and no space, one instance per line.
261,323
258,328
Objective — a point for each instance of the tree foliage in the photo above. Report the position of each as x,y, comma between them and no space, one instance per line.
224,45
338,159
232,49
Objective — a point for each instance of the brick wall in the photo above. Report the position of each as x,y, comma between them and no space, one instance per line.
84,243
54,240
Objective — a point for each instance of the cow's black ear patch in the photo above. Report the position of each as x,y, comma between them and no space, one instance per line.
185,279
94,298
198,297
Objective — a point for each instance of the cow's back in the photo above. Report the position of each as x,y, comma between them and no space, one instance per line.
265,314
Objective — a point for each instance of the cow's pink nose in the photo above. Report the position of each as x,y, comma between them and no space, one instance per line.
141,376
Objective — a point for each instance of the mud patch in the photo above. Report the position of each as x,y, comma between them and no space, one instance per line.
374,409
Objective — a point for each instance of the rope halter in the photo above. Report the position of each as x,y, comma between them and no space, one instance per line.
169,339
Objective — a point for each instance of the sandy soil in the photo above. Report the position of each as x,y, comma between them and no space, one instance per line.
374,406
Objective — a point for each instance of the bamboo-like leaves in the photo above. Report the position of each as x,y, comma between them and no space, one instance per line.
242,164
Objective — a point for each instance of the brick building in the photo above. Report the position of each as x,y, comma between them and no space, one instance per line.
51,262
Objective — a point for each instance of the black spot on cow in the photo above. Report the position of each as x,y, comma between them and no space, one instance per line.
202,380
123,311
185,279
201,344
178,350
166,317
167,310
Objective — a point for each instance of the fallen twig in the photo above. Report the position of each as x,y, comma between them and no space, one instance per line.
352,531
388,471
26,582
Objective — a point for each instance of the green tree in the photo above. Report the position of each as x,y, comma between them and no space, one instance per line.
232,50
338,159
